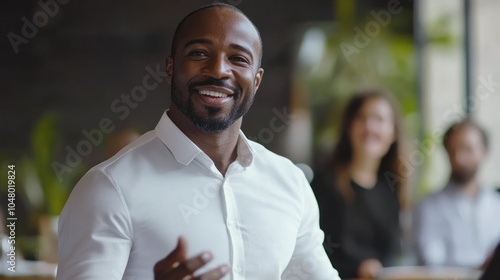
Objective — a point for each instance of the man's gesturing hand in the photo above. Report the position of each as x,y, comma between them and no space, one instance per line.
176,267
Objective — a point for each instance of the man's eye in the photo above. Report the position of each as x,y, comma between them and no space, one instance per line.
239,59
197,54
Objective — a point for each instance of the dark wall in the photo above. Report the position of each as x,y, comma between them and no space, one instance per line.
88,53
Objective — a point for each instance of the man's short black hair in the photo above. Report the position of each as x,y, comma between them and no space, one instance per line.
467,122
173,48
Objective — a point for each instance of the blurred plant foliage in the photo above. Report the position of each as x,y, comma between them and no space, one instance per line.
38,190
386,62
45,143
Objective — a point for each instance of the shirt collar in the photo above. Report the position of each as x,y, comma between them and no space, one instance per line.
184,150
244,151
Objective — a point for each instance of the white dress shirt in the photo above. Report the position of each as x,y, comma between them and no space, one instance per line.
127,213
453,229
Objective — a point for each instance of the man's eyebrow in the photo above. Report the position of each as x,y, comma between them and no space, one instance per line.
209,42
243,49
198,41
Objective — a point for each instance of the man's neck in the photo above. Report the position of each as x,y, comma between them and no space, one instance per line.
470,188
220,147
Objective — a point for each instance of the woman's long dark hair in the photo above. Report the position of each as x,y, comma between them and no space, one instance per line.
390,166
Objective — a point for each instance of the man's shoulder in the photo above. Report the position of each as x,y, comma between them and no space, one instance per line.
261,153
492,194
434,199
130,154
276,165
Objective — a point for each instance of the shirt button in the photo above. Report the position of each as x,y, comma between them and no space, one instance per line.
237,268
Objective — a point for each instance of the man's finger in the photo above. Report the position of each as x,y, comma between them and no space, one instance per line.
214,274
190,266
172,260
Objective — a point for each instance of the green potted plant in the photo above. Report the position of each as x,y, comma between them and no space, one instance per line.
45,142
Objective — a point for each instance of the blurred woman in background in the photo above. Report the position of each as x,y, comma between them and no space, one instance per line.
361,192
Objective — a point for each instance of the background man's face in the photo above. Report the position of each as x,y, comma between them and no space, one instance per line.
466,152
215,70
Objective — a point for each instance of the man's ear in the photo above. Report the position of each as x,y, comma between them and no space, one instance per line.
258,78
169,68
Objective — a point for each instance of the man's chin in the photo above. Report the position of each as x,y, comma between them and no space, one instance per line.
211,123
463,177
211,127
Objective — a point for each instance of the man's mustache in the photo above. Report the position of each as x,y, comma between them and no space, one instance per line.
214,82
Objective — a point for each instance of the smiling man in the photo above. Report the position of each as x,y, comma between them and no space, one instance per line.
194,198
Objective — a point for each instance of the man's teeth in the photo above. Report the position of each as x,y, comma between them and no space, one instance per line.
213,93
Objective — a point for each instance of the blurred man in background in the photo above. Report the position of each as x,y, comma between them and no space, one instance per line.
458,226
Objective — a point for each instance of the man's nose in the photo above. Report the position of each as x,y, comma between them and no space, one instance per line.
217,67
461,157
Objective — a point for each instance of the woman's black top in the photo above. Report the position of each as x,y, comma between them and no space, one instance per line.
365,228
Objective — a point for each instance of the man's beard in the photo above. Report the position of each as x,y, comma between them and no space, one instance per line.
463,176
210,124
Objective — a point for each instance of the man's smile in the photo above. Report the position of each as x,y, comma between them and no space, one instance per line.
213,93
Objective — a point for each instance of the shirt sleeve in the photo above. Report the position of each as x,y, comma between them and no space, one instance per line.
309,259
95,231
430,247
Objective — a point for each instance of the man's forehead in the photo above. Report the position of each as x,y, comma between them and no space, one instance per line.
466,134
221,22
221,14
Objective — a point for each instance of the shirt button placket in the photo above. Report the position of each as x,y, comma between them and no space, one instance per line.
233,230
237,269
